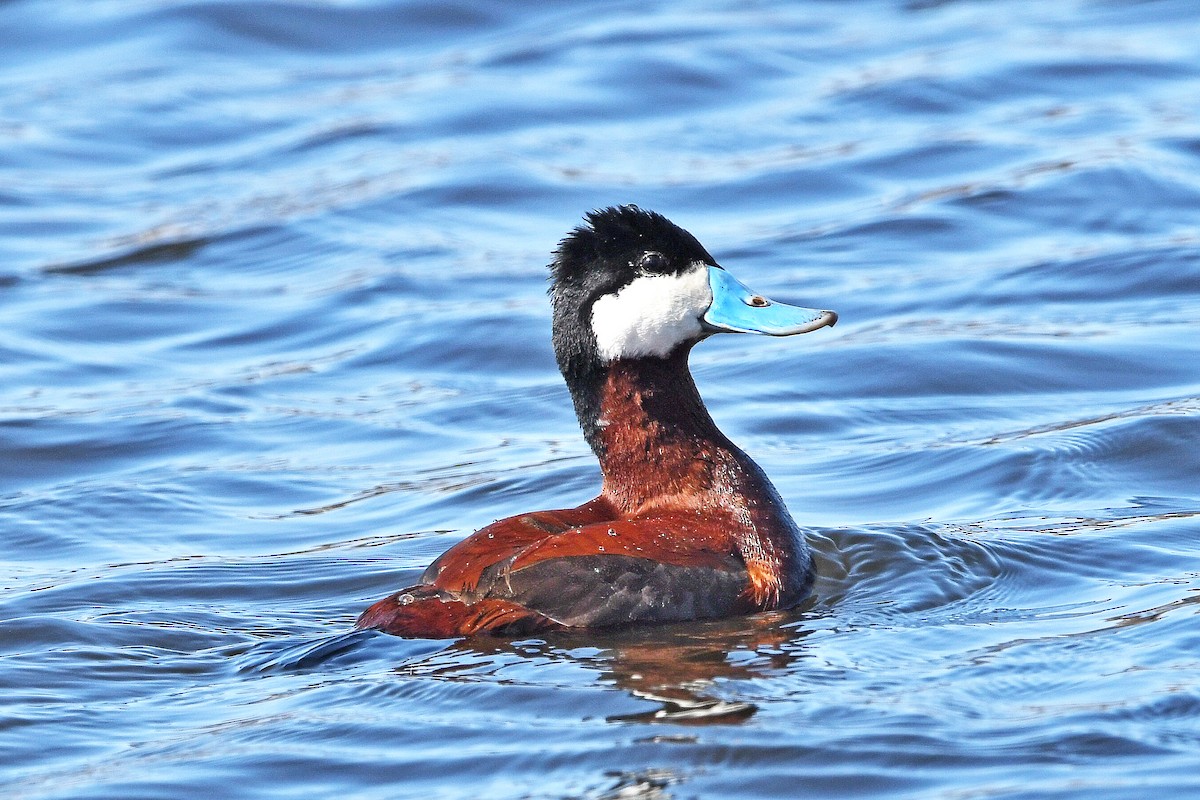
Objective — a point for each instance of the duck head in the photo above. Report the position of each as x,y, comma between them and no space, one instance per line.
631,285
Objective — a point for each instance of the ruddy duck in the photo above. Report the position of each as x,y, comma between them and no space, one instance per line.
686,525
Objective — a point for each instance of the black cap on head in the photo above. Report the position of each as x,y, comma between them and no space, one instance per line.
616,241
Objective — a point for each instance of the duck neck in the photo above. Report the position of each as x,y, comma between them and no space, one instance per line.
654,438
661,452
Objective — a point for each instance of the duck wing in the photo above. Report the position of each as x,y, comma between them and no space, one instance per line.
665,569
458,570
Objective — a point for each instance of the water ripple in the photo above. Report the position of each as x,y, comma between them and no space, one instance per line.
275,334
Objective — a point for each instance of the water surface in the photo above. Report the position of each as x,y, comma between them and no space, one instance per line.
274,334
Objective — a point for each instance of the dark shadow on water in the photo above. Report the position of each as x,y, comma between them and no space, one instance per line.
302,656
148,247
154,253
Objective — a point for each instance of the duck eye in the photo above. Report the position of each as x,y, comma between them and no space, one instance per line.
653,262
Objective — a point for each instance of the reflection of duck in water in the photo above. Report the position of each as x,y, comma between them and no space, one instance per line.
686,526
677,667
690,673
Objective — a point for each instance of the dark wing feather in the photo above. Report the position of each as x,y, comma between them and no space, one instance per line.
581,568
660,569
595,590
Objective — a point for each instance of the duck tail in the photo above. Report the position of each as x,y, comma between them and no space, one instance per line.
426,612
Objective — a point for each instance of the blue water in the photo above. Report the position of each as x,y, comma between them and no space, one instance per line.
274,334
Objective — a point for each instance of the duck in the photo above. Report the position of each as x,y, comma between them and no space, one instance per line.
686,525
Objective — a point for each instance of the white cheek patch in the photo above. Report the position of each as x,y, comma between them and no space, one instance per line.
652,315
